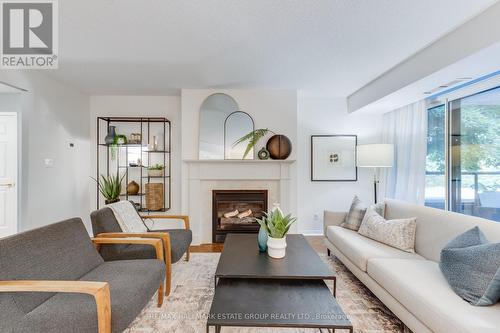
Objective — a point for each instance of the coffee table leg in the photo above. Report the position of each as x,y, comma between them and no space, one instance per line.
335,287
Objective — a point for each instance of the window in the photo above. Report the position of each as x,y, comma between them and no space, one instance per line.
473,159
435,180
475,155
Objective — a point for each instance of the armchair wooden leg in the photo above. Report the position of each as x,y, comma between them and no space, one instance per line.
160,295
168,279
188,253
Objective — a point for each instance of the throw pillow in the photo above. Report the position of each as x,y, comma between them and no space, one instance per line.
398,233
471,265
356,213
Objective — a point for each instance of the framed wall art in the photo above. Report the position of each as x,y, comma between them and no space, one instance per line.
333,158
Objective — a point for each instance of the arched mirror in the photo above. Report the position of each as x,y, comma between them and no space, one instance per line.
237,125
213,114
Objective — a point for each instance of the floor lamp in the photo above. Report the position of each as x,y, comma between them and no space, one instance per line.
375,156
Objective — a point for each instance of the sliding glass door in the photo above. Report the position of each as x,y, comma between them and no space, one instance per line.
474,141
463,155
435,179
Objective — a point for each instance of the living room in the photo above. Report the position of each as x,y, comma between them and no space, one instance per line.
250,166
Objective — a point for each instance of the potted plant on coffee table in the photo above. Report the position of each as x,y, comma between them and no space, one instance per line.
276,225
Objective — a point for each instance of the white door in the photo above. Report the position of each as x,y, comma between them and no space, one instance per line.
8,174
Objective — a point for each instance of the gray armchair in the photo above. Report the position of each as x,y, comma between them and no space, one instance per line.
52,279
176,242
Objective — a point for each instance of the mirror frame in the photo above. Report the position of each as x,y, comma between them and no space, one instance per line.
225,127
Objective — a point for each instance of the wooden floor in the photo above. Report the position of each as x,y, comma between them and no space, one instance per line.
315,241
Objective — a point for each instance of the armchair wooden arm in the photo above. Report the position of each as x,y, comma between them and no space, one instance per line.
163,236
156,243
184,218
99,290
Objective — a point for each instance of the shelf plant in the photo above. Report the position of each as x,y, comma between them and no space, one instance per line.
110,187
156,170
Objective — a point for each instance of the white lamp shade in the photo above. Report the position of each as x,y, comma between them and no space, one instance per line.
375,155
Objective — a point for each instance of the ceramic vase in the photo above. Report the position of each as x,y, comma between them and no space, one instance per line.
276,247
110,138
262,240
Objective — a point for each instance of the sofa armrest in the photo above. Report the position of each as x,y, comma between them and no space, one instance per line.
332,218
99,290
156,243
184,218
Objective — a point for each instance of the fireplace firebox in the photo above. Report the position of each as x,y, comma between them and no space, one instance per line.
236,211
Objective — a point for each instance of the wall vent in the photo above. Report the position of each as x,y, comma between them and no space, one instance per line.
447,85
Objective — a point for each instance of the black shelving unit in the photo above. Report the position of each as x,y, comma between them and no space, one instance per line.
113,159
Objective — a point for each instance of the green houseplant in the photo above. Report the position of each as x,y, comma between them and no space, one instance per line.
252,138
276,225
110,187
156,170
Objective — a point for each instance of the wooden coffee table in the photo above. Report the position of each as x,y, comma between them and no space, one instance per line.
254,290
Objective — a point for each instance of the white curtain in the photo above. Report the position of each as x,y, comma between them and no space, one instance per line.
406,129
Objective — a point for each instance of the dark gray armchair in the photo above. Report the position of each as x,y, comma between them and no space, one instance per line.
176,242
52,279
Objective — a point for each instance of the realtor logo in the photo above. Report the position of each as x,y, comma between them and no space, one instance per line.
29,34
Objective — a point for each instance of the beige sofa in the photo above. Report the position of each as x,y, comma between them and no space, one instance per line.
411,285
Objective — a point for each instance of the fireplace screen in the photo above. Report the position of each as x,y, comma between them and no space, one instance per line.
236,211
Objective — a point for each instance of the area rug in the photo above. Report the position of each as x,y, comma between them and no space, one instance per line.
186,309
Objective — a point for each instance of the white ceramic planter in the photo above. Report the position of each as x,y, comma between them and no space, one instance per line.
276,247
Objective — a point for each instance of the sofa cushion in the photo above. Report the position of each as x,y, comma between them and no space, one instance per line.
471,265
132,285
436,227
60,251
355,215
421,288
360,249
398,233
180,239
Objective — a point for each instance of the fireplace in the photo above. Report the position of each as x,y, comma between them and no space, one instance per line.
235,211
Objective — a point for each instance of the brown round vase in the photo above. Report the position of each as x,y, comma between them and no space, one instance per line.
279,147
132,188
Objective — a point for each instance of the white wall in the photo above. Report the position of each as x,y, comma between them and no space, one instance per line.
330,116
136,106
52,115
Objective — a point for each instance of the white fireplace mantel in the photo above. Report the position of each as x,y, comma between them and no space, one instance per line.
203,176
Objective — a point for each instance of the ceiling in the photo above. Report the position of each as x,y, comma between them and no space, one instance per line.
322,47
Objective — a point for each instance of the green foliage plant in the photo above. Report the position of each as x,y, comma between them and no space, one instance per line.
275,224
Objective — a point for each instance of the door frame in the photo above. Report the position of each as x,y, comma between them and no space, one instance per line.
17,187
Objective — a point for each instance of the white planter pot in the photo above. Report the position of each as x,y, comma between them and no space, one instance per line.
276,247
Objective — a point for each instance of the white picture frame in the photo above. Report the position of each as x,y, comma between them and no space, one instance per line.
333,158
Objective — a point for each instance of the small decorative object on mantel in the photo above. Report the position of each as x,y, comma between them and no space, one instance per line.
110,138
110,187
135,138
156,170
263,154
276,226
132,188
279,147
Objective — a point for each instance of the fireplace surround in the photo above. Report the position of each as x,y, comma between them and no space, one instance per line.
228,204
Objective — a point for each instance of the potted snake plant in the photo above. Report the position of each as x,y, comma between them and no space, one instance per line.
276,226
110,187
